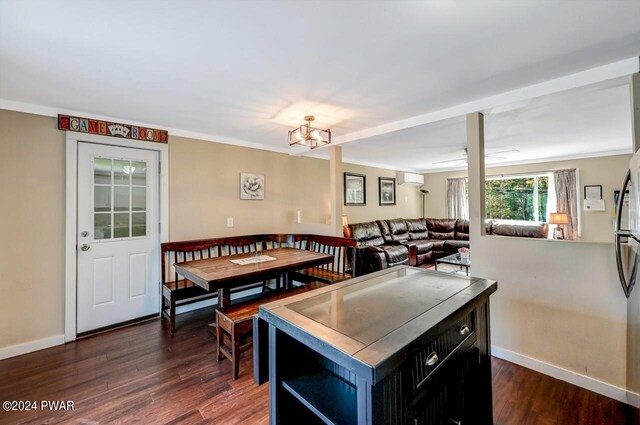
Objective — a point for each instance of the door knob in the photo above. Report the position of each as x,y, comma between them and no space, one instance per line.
85,247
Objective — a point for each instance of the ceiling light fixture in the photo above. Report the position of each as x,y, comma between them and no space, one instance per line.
306,135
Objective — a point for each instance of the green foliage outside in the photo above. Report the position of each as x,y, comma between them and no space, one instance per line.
512,199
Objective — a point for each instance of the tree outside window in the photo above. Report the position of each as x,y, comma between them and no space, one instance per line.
517,198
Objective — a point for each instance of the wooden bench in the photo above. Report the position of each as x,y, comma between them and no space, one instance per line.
235,323
177,291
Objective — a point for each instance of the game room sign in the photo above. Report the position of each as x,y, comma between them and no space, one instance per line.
113,129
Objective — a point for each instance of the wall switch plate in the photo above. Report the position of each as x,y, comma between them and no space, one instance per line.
229,221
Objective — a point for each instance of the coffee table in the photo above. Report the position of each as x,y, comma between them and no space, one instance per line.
456,260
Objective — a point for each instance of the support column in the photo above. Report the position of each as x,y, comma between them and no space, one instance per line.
336,192
635,110
475,151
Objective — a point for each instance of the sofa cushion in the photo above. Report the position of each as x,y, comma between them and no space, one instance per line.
455,245
417,229
533,230
423,246
395,253
441,228
398,229
462,230
366,234
384,229
438,244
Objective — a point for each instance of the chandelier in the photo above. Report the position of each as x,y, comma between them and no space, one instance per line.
306,135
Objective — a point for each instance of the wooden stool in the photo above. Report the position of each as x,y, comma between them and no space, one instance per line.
235,323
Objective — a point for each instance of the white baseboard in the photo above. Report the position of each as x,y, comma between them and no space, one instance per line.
28,347
569,376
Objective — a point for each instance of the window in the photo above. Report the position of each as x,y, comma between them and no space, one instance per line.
521,198
119,198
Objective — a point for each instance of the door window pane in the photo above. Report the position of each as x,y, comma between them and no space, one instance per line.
139,224
121,198
121,225
102,198
139,198
102,226
102,171
139,173
121,172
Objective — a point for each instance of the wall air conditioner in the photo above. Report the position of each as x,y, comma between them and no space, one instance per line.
410,179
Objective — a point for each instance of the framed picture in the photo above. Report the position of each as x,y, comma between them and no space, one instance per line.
387,190
593,191
251,186
355,189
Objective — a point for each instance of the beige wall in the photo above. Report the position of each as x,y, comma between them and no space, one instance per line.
597,226
31,228
407,198
558,302
204,190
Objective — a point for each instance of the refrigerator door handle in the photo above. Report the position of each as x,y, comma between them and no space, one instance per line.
622,233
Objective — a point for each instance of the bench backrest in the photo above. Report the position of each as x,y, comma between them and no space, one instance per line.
177,252
240,244
342,249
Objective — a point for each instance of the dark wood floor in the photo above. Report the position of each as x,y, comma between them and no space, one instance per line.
142,375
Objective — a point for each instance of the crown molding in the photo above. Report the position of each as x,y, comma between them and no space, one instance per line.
50,111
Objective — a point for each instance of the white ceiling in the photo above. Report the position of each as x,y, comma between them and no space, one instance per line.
589,121
245,72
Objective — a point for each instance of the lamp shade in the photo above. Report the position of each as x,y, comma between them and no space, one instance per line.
345,222
558,218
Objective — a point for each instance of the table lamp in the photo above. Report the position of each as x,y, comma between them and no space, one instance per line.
558,219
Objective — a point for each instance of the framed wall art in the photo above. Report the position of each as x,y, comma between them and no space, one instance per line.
251,186
387,190
355,189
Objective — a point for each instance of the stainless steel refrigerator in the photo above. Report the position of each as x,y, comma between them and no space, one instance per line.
627,246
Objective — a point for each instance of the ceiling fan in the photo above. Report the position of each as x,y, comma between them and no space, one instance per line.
463,160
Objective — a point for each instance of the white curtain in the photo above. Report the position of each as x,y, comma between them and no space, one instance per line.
552,202
567,200
457,202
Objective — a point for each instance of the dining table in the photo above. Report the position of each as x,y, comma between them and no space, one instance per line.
221,274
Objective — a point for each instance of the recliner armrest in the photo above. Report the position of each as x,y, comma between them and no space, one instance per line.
378,258
413,252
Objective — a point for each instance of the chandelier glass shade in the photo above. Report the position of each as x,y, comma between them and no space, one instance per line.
306,135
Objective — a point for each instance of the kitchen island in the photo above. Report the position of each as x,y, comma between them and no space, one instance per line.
399,346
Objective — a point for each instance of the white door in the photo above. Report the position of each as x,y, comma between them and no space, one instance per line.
118,235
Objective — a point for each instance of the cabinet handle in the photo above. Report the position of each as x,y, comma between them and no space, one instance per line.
464,330
432,359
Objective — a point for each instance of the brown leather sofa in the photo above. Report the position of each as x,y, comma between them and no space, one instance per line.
374,252
386,243
504,228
